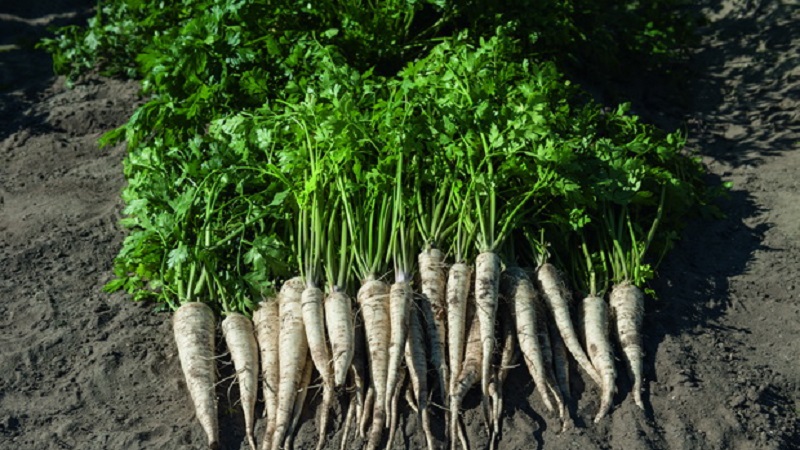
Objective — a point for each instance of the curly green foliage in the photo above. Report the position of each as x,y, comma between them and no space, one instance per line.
213,168
119,31
212,40
638,188
206,229
211,214
132,37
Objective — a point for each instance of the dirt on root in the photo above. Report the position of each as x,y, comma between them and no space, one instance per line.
83,369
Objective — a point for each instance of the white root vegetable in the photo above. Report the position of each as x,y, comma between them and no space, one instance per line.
359,369
487,282
239,335
469,374
558,299
459,284
434,307
547,353
458,281
339,322
293,354
400,297
507,361
560,361
327,401
349,418
314,324
595,326
369,406
299,401
627,308
193,328
410,399
267,327
373,299
392,407
417,370
521,292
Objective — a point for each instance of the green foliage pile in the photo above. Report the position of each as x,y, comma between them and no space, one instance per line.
276,130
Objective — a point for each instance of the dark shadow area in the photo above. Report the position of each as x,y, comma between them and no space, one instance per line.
26,72
692,282
731,95
732,113
737,109
735,98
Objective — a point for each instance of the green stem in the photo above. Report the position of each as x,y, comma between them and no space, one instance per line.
652,232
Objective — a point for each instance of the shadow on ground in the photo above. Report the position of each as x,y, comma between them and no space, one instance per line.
25,72
737,118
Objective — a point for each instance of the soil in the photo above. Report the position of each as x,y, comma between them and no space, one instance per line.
84,369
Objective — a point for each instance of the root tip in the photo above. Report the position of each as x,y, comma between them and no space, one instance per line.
566,425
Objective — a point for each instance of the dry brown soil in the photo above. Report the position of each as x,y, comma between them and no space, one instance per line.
80,369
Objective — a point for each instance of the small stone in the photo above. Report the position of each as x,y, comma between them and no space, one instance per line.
738,401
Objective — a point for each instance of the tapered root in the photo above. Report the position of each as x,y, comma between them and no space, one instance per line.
266,321
193,327
558,299
531,332
487,282
627,308
595,323
373,298
239,335
293,355
434,306
340,326
469,374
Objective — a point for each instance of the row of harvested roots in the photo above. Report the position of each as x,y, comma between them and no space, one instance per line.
367,348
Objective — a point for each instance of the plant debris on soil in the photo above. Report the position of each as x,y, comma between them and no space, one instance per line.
83,369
